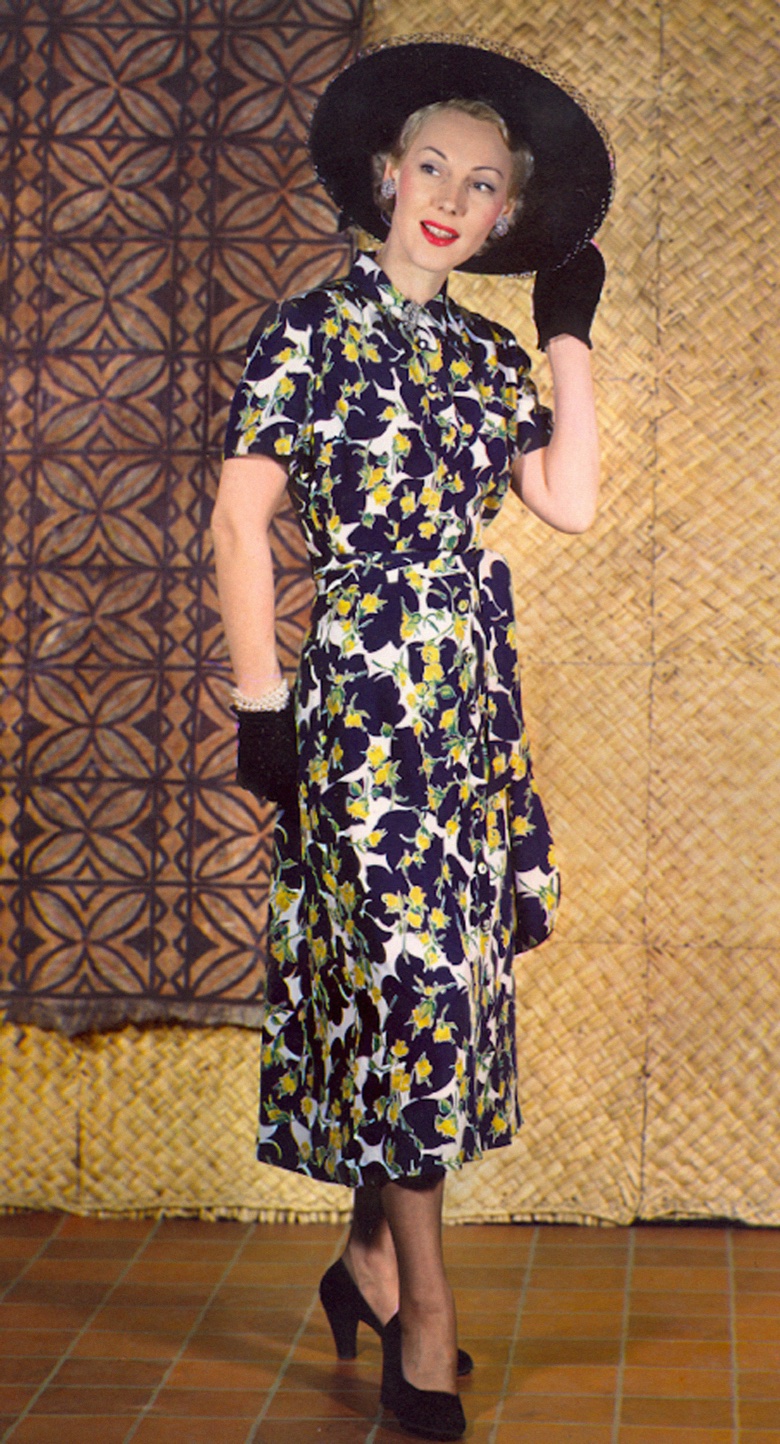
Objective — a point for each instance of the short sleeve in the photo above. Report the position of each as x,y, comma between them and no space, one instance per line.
270,412
531,424
534,421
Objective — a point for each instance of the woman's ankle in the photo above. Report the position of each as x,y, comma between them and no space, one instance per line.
429,1350
374,1271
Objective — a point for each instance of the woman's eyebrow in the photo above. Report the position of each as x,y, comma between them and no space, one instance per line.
441,153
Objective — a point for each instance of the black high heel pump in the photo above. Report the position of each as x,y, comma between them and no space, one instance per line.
429,1413
346,1308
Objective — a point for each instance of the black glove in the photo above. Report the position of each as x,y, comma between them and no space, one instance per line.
268,755
565,300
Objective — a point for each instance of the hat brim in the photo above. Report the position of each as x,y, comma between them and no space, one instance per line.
363,109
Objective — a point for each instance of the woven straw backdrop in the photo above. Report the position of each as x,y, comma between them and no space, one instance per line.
649,1026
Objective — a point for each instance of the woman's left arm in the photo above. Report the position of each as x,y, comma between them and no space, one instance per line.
559,483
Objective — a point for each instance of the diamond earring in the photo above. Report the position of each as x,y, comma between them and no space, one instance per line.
501,228
387,188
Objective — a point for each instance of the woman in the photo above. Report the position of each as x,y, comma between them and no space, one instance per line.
412,854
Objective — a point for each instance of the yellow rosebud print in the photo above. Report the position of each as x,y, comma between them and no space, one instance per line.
386,938
283,897
423,1015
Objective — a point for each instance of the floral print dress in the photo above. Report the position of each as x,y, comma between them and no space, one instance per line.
421,860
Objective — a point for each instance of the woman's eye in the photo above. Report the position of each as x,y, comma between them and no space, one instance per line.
485,186
428,167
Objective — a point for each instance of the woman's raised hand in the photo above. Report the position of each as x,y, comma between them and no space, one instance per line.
565,299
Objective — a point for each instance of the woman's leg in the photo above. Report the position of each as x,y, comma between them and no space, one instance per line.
427,1308
369,1255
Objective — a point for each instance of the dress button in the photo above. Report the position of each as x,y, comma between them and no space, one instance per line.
481,867
463,605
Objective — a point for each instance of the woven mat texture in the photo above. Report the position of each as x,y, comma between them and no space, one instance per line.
649,1027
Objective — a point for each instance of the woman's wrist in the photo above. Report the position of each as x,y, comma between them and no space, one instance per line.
271,698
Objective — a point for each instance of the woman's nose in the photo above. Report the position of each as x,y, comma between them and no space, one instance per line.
452,200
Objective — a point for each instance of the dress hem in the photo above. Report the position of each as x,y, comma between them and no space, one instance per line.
356,1179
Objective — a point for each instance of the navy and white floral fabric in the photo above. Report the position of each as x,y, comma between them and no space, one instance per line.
421,860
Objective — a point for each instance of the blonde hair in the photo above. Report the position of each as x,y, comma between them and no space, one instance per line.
522,159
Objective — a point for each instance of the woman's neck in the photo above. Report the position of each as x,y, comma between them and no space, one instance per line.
413,283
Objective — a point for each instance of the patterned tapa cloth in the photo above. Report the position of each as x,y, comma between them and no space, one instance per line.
421,860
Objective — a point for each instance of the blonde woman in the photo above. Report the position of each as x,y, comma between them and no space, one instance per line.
412,853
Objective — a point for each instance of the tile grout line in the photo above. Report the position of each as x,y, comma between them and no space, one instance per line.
66,1353
515,1331
734,1360
33,1258
621,1368
144,1412
252,1436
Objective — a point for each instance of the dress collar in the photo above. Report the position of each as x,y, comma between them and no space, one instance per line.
423,323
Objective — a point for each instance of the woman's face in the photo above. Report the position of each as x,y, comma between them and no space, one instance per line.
451,186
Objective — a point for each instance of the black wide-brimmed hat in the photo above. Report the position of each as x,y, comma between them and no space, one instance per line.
364,108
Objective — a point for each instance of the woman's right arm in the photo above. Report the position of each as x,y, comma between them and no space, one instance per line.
251,490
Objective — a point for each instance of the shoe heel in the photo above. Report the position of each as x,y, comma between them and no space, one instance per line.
340,1315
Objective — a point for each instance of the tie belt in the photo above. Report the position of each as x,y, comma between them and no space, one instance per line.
337,572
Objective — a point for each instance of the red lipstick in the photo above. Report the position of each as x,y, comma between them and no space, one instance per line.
441,236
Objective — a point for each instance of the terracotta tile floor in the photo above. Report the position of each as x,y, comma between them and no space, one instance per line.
178,1332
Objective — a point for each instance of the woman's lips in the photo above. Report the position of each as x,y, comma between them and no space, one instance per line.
438,235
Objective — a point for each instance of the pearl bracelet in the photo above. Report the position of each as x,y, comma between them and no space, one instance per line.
273,701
